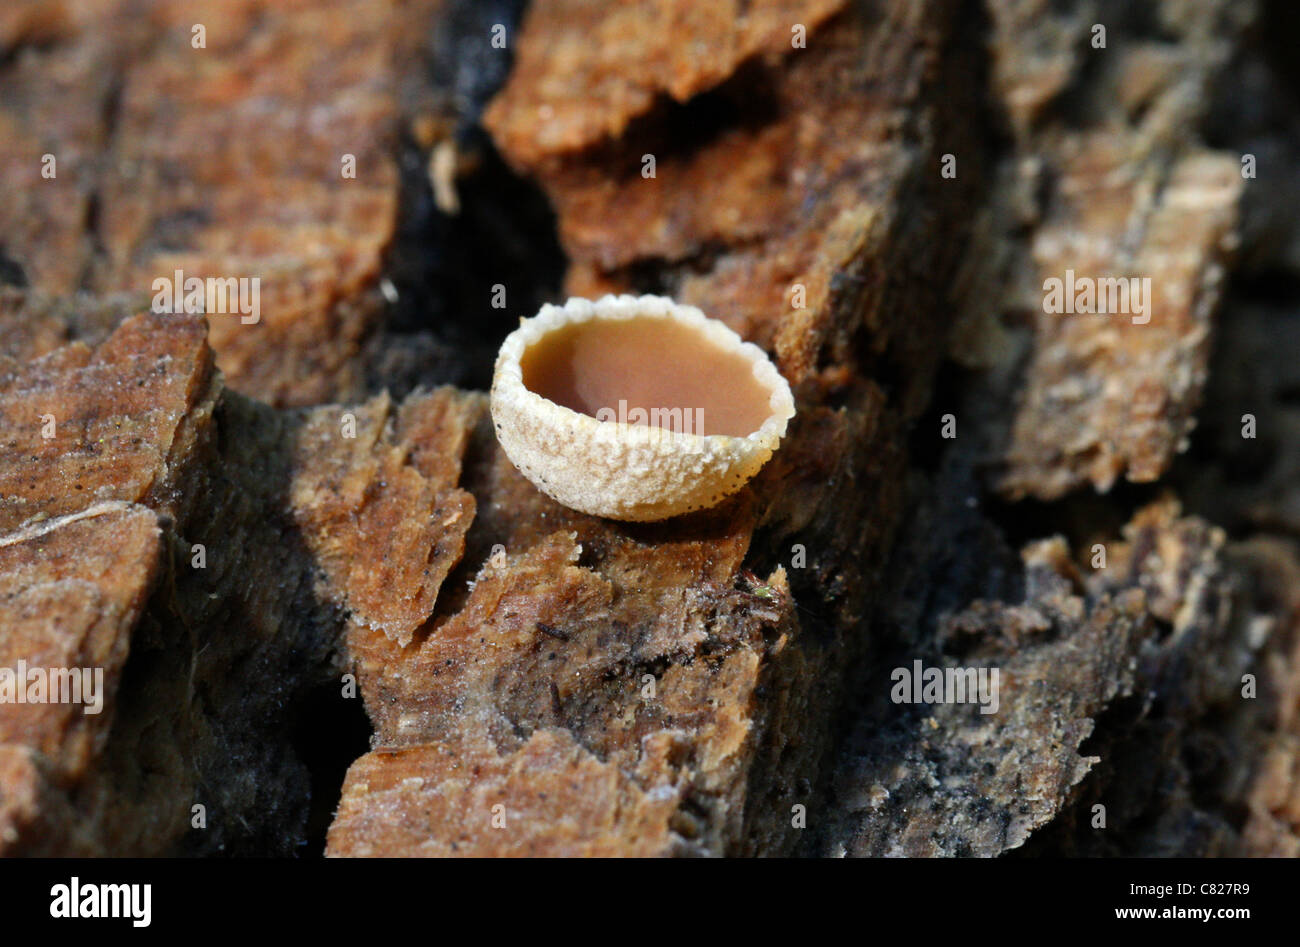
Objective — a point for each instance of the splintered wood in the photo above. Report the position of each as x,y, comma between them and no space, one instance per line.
212,524
631,667
267,153
1128,193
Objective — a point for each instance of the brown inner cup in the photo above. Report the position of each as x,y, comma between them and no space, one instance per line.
649,363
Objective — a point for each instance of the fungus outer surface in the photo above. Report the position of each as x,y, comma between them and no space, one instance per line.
636,408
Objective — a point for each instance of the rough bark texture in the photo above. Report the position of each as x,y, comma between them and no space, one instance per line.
1115,186
1103,676
1150,713
149,534
229,518
636,667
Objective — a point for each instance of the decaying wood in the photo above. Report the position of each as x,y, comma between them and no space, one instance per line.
144,463
225,161
1125,643
74,589
543,682
186,540
1144,738
1126,191
679,698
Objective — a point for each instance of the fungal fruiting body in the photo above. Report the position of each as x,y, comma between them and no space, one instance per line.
635,407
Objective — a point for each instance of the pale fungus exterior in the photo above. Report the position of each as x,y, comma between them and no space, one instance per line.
635,407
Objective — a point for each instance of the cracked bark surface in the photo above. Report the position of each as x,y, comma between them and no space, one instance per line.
1106,700
1148,720
532,688
150,461
542,682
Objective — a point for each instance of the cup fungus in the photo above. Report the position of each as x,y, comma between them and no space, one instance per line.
636,408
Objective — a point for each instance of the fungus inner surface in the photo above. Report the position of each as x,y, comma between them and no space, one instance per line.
655,364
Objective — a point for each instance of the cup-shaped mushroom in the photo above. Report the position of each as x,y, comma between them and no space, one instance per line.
636,408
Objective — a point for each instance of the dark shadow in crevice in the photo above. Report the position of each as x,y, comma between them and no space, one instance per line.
463,281
1082,517
459,282
11,271
1126,24
1273,286
1117,731
1231,475
333,732
745,101
1279,28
